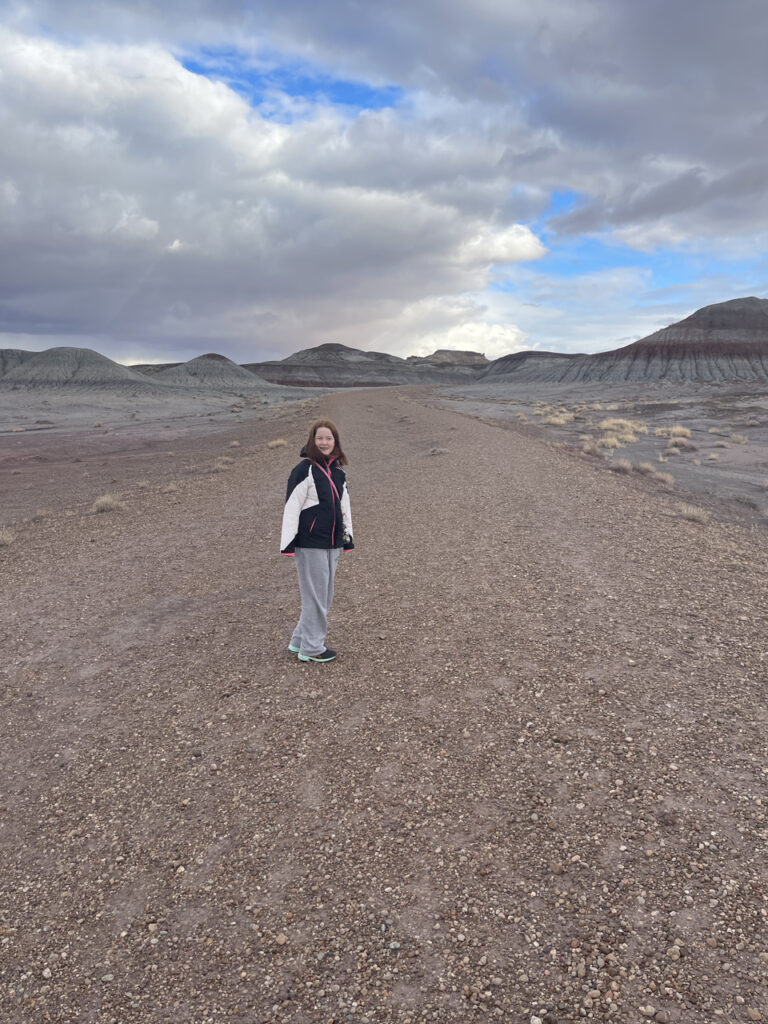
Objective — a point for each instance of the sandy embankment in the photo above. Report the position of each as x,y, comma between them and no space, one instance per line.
533,783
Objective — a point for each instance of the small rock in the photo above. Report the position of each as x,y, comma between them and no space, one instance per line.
536,1020
281,939
647,1011
754,1014
46,972
673,953
394,945
662,1017
107,977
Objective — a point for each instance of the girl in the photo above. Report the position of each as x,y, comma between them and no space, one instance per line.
317,524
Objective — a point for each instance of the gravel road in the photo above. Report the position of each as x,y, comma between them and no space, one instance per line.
533,787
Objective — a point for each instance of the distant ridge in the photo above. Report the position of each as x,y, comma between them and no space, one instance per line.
726,342
211,371
721,343
335,365
57,367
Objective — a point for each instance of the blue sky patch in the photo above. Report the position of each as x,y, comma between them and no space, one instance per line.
259,82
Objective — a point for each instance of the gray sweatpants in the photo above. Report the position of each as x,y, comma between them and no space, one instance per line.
316,568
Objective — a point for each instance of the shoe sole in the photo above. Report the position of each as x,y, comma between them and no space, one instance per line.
309,657
293,650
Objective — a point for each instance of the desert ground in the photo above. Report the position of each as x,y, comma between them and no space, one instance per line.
722,450
532,788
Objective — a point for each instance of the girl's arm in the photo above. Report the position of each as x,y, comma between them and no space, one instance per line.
346,512
298,486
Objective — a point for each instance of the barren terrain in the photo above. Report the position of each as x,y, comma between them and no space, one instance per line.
533,787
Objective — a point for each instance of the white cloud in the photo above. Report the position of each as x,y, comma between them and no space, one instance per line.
152,202
140,201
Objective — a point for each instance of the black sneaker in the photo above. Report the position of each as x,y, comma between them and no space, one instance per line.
326,655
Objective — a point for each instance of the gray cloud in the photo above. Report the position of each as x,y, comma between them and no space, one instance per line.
187,212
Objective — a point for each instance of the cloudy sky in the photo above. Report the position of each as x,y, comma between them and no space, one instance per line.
256,178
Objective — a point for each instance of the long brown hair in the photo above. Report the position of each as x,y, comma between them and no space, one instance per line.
314,453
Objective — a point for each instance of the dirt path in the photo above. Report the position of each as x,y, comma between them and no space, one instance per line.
533,785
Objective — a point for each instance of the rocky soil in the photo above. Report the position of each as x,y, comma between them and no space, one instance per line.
533,788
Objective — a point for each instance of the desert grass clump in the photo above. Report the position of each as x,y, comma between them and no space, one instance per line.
558,419
279,442
234,444
713,457
108,503
694,514
609,441
142,485
590,448
621,466
676,430
619,426
222,464
645,468
739,438
722,444
170,488
666,479
7,537
98,423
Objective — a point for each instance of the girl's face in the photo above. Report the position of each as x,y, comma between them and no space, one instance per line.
325,440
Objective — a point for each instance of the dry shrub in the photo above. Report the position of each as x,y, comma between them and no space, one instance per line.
694,514
646,468
680,442
6,537
714,430
558,419
713,456
676,430
222,464
438,451
722,444
170,489
739,438
522,416
234,444
619,426
18,430
98,423
667,479
609,441
279,442
108,503
143,485
621,466
611,406
590,448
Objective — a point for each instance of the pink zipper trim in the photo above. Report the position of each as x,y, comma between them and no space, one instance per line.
334,493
